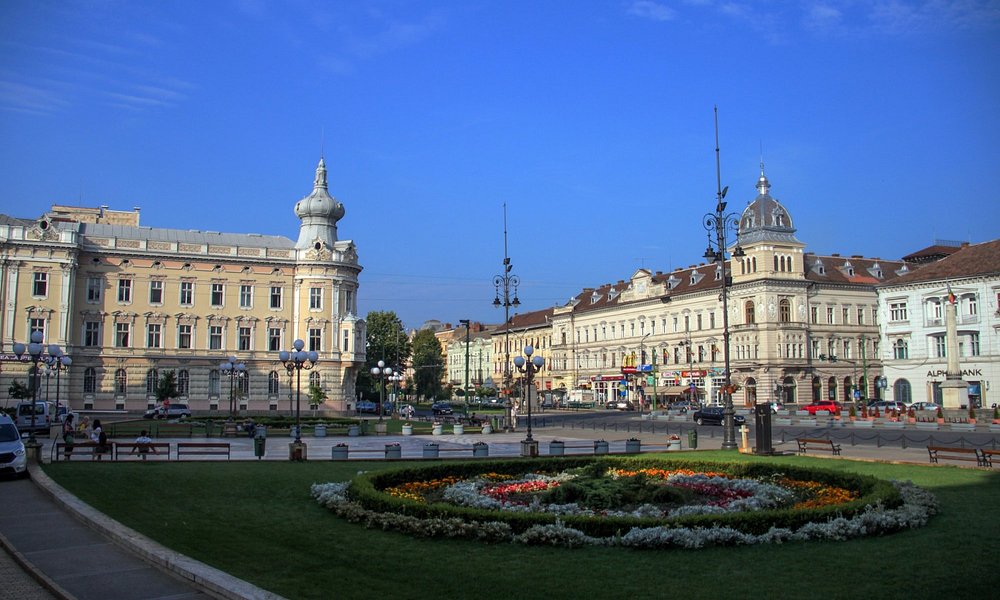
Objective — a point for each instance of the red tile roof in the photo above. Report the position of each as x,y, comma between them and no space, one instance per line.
968,261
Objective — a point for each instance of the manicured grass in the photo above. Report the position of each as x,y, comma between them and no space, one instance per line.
257,521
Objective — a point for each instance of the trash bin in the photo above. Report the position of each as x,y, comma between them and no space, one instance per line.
600,447
259,441
319,430
693,439
353,431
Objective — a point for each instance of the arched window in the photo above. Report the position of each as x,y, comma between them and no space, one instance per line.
789,391
213,382
776,268
151,380
847,389
785,310
817,389
243,384
753,263
900,349
121,382
314,379
89,380
750,395
831,393
748,311
272,383
901,391
183,383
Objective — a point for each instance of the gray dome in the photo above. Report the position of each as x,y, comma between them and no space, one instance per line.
320,203
765,219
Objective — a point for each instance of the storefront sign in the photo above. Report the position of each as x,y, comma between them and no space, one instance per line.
692,373
965,373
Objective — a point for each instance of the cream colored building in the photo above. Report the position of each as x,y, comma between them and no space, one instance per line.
787,308
128,303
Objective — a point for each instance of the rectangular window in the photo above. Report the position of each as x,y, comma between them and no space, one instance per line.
275,296
814,315
847,349
122,331
897,311
315,298
187,293
154,335
215,337
94,287
217,294
940,346
92,334
711,320
974,344
125,290
829,315
156,292
315,340
36,325
814,348
184,336
246,296
845,315
698,319
349,302
274,339
40,286
244,338
347,339
861,316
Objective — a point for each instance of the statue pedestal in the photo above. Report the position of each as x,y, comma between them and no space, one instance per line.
954,394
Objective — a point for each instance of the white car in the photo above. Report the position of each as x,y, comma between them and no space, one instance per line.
13,459
173,411
918,406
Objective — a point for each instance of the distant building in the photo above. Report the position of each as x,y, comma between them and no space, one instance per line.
913,336
128,303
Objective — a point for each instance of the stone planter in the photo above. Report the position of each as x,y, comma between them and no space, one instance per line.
822,413
393,451
319,430
431,450
381,428
407,429
339,452
926,426
807,422
894,425
995,427
437,429
458,429
863,424
600,447
487,429
673,445
557,448
480,450
962,426
633,446
802,413
353,431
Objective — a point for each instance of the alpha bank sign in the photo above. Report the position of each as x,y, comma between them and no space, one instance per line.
965,373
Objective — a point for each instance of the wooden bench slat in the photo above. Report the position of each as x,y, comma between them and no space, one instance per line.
824,444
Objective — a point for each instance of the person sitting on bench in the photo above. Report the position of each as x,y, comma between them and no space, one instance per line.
144,443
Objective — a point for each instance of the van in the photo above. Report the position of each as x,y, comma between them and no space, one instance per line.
13,459
44,414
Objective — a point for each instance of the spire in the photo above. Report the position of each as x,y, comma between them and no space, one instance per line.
763,186
320,182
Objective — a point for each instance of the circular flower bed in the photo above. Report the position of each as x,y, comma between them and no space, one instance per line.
628,502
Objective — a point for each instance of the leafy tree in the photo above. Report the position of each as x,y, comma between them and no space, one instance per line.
428,364
386,341
19,391
316,395
166,387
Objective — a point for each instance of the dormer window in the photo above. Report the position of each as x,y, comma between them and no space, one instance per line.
718,274
696,277
876,271
612,293
849,269
594,298
672,282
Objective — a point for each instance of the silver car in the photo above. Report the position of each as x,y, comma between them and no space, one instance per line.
13,459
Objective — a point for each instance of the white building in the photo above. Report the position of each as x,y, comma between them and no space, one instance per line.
913,336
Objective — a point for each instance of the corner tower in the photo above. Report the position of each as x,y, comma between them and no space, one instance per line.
319,213
767,235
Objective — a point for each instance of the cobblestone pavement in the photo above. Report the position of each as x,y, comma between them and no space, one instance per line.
17,584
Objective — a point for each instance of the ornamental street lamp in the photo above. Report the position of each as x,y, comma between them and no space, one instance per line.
381,371
34,350
235,370
466,390
58,362
506,285
395,379
720,223
529,366
294,362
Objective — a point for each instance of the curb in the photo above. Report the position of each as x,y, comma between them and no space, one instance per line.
29,567
210,580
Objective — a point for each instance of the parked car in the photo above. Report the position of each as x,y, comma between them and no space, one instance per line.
620,404
922,405
366,406
13,459
831,406
712,415
441,408
884,405
684,406
174,410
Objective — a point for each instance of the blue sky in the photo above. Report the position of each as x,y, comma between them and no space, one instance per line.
877,120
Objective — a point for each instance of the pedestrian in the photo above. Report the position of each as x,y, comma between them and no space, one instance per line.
100,440
144,444
69,437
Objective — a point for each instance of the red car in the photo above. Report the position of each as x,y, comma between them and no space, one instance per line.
828,405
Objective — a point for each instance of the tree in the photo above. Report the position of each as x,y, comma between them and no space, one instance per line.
428,364
166,387
316,395
386,341
19,391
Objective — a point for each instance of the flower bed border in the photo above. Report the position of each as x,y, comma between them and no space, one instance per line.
366,492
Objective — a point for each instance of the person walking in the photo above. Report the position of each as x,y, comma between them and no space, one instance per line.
100,440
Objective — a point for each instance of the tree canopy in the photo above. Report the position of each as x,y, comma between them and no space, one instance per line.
428,364
386,341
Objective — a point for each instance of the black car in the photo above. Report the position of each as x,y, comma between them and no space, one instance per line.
441,408
712,415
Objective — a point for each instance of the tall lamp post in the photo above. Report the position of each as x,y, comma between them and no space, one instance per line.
466,323
34,350
529,366
506,285
235,370
720,223
381,371
395,380
58,362
294,362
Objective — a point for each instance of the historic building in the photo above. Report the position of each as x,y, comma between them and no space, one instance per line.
914,338
790,313
527,329
128,303
469,351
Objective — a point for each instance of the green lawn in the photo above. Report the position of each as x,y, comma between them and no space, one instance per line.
257,521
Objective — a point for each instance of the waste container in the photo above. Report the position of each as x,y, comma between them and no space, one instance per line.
319,430
557,448
339,452
353,431
259,441
693,439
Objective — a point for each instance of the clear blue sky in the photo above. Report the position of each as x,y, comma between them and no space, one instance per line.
592,120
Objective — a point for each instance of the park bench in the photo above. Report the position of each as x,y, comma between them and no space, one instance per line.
80,449
817,444
988,456
203,449
953,453
160,450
